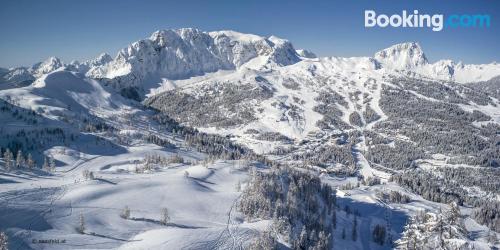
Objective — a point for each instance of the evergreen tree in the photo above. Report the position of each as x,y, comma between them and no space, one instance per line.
323,241
453,214
81,224
8,158
238,186
165,218
303,241
125,214
265,241
20,161
30,163
46,165
4,241
52,164
492,238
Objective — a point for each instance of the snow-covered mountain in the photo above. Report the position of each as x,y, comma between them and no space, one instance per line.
22,76
410,57
184,53
47,66
84,67
306,53
242,141
402,56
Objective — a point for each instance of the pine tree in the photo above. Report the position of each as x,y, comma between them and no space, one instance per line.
406,241
492,237
323,241
165,218
8,158
81,224
265,241
453,221
20,162
453,214
4,241
303,238
30,162
45,165
52,164
125,214
343,233
238,186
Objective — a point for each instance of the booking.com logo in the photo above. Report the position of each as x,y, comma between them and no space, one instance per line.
415,20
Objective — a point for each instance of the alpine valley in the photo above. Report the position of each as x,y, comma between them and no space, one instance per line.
222,140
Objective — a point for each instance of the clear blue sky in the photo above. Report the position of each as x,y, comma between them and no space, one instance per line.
34,30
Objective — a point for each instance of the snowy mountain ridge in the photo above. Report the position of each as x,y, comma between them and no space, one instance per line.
21,76
402,56
244,142
183,53
188,52
411,58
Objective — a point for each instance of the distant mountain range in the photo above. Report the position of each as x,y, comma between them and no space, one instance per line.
183,53
238,134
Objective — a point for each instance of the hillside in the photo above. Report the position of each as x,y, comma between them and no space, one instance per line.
222,140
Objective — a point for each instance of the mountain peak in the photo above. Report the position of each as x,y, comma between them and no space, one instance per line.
402,56
306,53
187,52
236,36
50,64
103,58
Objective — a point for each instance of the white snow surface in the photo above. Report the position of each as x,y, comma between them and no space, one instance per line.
200,199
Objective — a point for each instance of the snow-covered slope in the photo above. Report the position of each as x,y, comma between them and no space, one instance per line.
64,92
15,77
385,131
296,100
